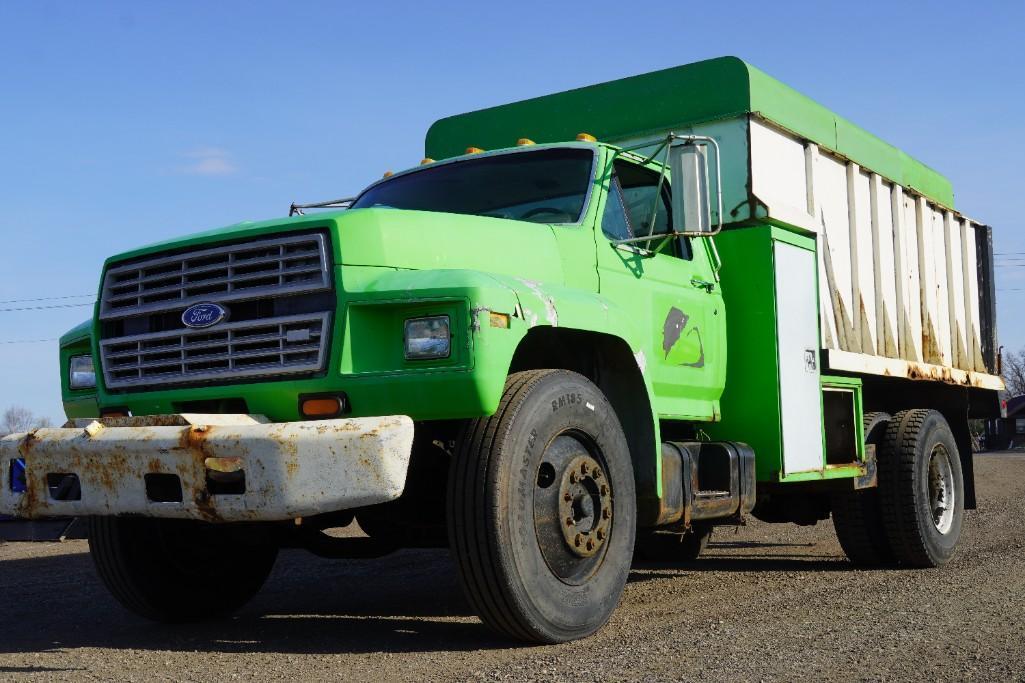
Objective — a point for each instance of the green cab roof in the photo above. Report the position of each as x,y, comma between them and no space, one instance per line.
720,88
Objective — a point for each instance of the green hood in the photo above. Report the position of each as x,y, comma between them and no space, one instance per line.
422,240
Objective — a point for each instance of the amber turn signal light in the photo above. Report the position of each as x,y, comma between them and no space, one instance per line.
321,406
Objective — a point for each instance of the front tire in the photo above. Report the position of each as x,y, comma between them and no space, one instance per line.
542,510
921,489
177,570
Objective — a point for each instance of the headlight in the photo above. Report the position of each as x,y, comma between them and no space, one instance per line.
427,338
81,372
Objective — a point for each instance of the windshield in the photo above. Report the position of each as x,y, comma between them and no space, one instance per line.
543,186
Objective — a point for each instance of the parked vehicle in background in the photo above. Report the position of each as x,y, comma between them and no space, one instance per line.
690,296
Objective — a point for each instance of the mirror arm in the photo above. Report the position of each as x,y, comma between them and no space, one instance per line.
714,258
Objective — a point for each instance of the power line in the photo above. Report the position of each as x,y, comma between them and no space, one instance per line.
46,298
43,308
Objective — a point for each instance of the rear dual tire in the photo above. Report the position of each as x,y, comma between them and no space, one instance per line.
857,515
921,489
914,517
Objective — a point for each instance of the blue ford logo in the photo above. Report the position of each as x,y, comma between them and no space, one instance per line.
203,315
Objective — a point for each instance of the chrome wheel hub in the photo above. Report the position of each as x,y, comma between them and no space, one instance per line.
941,489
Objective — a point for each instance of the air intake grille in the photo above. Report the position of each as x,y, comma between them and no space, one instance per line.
257,347
278,295
244,271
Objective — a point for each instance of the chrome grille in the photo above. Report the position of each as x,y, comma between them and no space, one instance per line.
277,266
292,344
277,291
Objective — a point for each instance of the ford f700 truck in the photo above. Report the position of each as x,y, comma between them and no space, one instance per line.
605,319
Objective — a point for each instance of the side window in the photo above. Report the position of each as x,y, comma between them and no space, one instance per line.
613,220
639,186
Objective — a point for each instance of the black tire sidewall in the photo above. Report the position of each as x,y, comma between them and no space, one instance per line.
941,547
139,561
559,402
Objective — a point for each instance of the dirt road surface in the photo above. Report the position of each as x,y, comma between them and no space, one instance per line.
770,602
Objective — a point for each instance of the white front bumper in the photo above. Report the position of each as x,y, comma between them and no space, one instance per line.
291,469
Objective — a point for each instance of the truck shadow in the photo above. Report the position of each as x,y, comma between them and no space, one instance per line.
407,602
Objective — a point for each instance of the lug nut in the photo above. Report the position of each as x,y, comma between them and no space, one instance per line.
596,473
601,534
583,468
572,477
568,497
590,545
577,541
606,514
604,490
569,521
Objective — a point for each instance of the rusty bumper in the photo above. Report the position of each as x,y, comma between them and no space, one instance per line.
218,468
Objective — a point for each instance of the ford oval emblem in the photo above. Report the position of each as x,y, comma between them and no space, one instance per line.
204,315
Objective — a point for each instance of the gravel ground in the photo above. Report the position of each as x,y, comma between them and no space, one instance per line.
770,602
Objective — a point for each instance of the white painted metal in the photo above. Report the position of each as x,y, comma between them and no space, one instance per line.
884,283
798,341
292,469
865,364
897,272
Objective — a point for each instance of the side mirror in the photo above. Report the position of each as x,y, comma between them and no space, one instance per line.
692,204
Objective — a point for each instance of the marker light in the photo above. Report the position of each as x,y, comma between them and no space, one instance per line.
586,137
474,150
388,174
322,406
523,142
426,160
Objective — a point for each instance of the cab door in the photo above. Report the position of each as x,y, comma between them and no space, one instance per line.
668,287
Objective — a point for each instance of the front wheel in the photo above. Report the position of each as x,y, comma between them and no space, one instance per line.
541,509
176,570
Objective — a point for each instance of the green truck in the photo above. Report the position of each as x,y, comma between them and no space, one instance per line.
589,324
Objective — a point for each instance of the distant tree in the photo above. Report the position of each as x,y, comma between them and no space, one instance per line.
1013,365
20,419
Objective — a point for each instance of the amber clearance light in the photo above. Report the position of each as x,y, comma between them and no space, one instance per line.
322,406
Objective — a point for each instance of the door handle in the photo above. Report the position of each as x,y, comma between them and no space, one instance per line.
702,284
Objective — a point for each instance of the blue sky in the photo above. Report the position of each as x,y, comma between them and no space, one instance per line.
124,123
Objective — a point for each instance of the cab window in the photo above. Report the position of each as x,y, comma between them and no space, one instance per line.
634,204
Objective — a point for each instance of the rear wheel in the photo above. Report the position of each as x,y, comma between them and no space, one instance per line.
921,489
541,509
857,515
176,570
